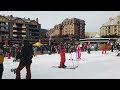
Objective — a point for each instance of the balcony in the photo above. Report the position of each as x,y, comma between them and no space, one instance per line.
33,37
23,35
23,31
4,25
14,30
33,28
18,35
6,35
35,32
14,35
14,25
23,26
4,30
19,27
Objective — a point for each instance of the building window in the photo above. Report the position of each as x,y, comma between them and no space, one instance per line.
108,31
6,23
118,22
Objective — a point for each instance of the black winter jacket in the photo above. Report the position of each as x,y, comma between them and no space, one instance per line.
26,55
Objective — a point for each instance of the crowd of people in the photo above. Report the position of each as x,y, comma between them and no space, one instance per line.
26,52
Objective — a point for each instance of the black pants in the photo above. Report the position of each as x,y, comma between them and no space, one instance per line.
1,70
89,50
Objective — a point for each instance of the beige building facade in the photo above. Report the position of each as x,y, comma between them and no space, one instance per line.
112,27
72,26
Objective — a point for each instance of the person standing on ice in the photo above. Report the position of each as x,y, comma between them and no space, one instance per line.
88,47
78,52
25,60
104,47
112,46
63,58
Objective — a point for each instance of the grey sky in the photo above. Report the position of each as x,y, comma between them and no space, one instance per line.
47,19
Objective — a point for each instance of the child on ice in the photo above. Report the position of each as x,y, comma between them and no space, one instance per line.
78,52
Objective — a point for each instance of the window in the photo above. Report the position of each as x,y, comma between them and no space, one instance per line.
6,27
118,22
6,23
109,31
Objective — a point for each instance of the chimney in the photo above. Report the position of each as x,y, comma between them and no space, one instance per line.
36,19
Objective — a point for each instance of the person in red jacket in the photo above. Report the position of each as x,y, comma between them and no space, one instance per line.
63,58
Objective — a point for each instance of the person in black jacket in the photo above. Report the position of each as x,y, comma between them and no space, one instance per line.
25,60
118,48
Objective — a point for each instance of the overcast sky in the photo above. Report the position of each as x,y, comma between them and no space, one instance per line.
47,19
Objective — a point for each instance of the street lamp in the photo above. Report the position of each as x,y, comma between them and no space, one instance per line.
50,40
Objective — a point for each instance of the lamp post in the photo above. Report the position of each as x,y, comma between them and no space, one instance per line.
50,40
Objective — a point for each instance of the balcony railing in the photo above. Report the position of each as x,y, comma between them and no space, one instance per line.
35,32
4,25
14,30
14,25
14,35
33,28
23,35
23,31
23,26
19,35
4,30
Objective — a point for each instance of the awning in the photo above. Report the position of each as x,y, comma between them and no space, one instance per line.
38,44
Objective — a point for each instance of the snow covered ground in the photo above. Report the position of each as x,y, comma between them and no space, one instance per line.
92,66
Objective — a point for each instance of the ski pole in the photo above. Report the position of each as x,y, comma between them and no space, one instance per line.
72,60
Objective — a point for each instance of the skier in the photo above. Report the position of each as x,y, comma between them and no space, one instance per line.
88,47
63,58
26,60
104,47
78,52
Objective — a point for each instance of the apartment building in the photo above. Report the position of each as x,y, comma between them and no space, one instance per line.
73,26
17,29
111,27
